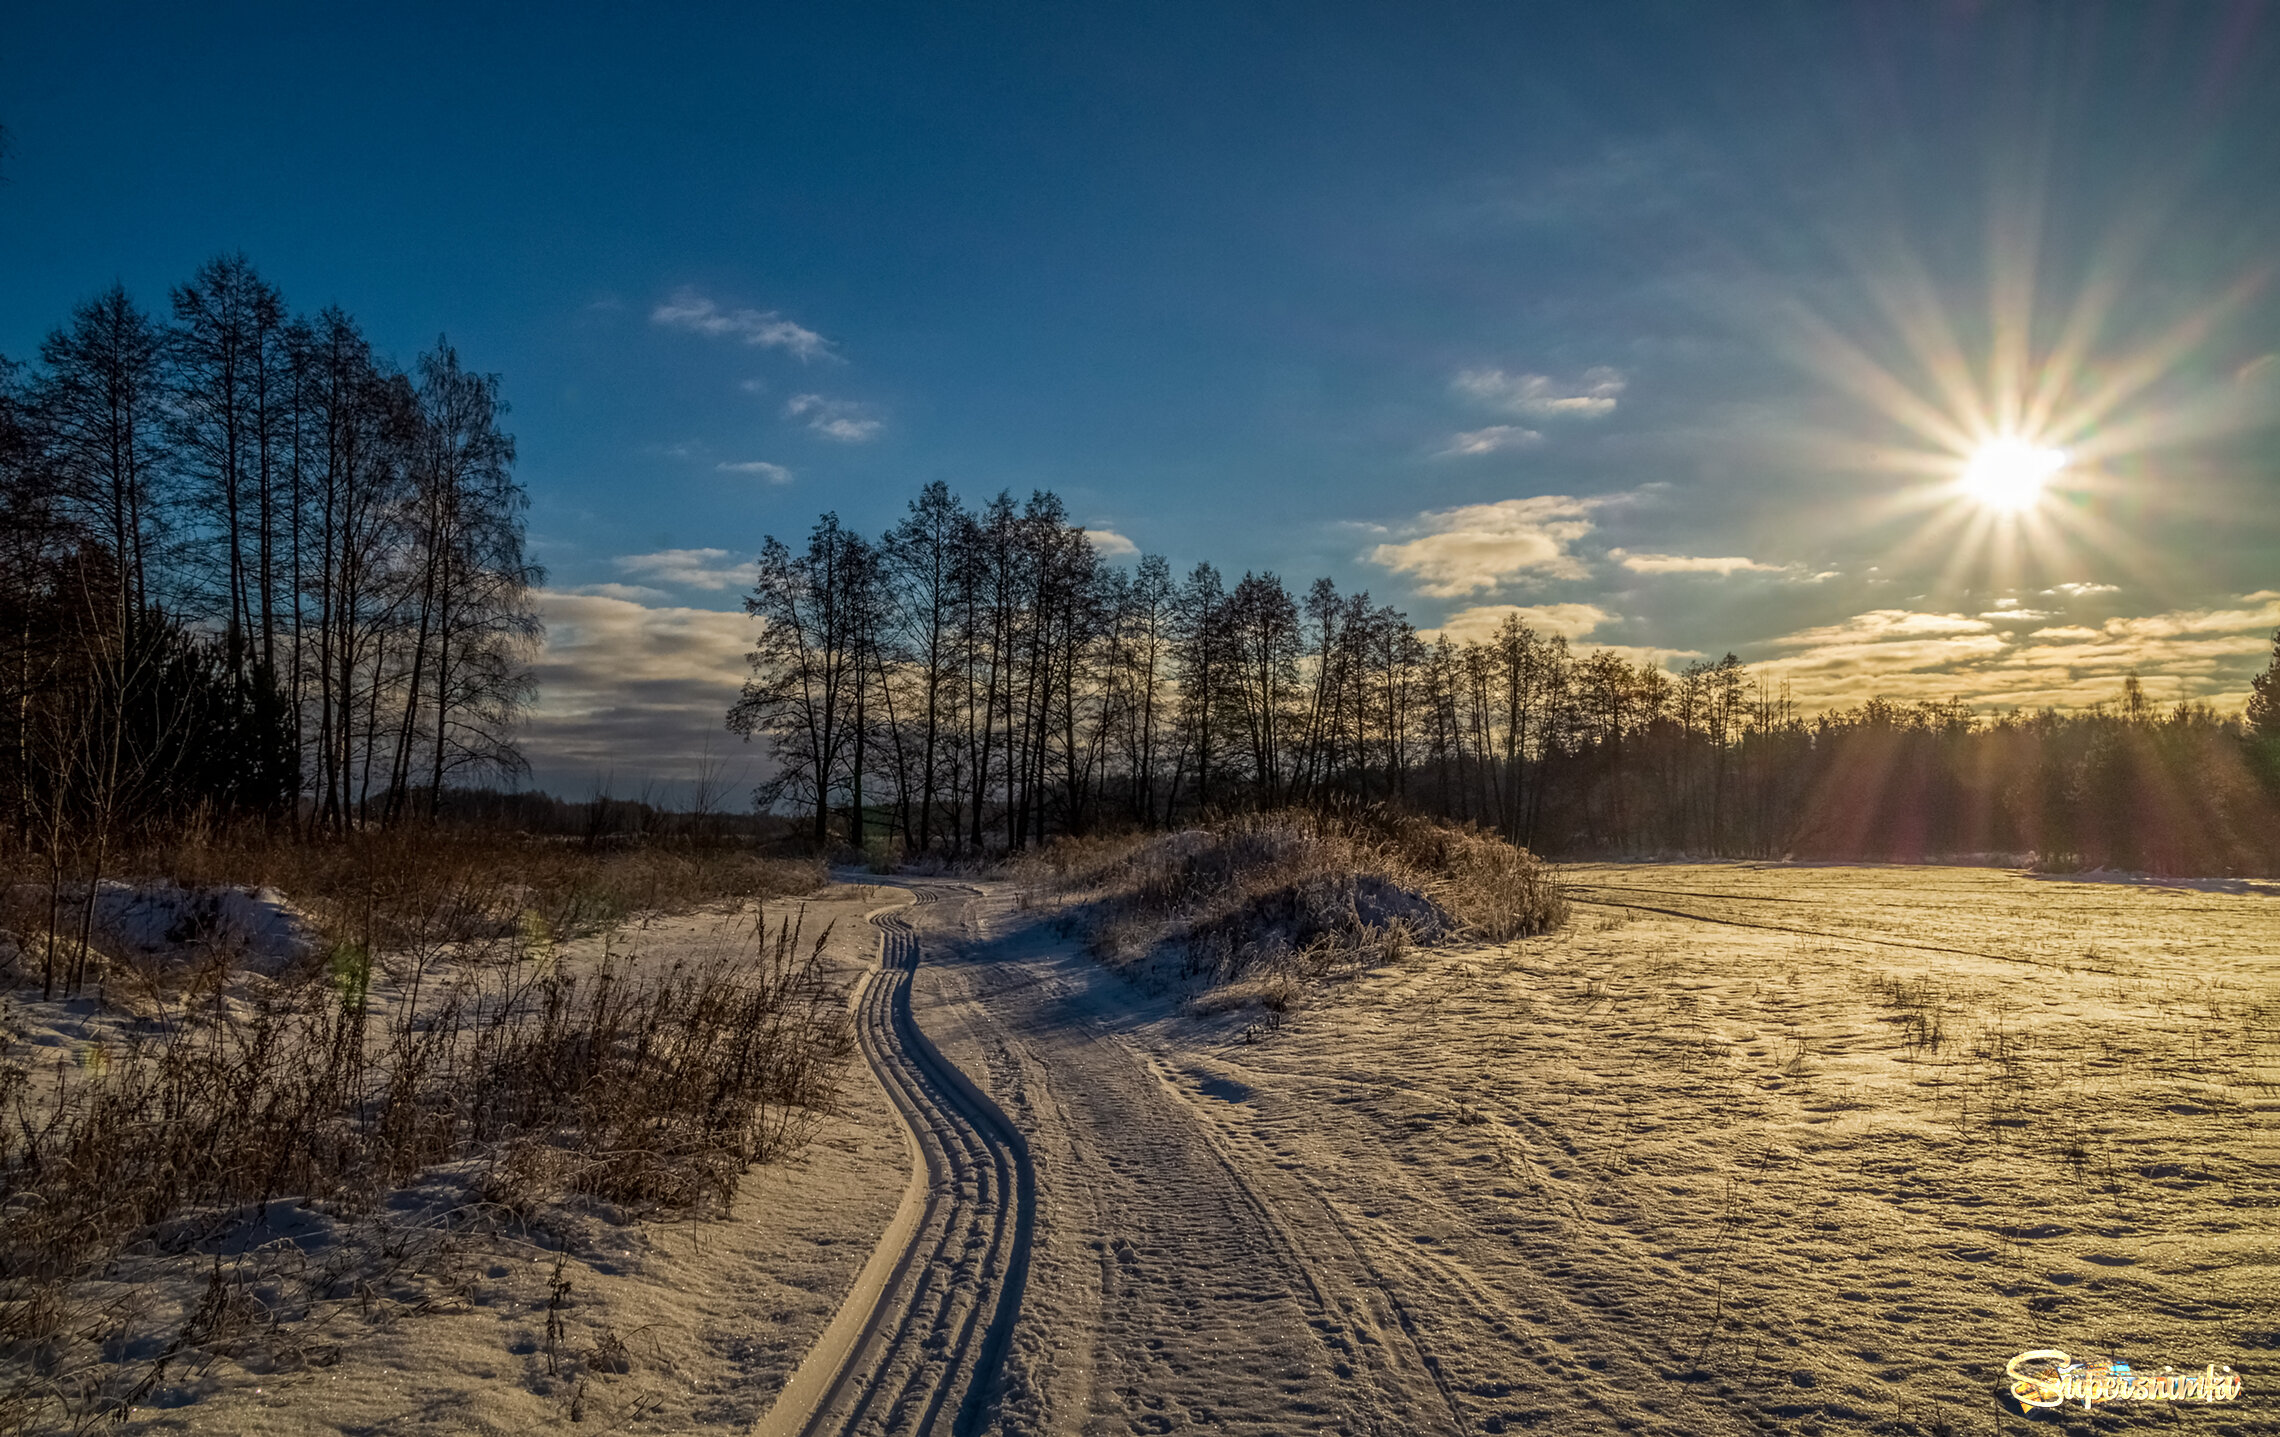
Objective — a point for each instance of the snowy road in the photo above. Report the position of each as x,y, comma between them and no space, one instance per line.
919,1342
1186,1275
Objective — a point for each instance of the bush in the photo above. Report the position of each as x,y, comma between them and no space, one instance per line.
432,1038
1297,891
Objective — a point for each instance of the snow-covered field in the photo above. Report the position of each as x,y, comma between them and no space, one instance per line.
1820,1148
1742,1148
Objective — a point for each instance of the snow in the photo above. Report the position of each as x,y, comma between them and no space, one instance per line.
688,1325
246,928
1744,1145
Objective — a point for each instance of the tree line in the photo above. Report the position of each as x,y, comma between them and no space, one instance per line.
979,679
252,569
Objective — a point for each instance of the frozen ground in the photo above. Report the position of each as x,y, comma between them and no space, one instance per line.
1744,1148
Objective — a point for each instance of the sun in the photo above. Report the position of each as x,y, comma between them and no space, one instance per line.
2008,474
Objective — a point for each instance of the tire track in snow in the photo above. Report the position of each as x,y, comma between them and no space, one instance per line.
920,1355
1789,928
1208,1306
1348,1287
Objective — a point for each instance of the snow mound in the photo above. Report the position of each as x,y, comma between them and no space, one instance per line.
253,928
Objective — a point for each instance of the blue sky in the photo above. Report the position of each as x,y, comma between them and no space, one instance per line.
1672,324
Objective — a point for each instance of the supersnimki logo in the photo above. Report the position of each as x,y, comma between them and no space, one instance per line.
2048,1377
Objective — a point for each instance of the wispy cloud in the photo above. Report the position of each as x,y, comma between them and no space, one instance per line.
766,329
1111,545
2083,590
1539,396
687,568
2258,614
1688,564
1479,546
1490,440
758,468
840,419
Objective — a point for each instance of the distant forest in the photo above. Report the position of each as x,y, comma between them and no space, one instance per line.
979,680
250,569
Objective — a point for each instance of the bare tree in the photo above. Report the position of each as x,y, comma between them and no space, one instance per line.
101,402
365,427
1201,659
922,556
807,665
474,627
1263,636
228,323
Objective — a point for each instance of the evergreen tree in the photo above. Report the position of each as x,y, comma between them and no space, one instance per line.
2264,699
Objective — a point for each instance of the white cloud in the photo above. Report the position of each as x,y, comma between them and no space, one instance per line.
1539,396
1882,652
2004,612
1642,654
627,688
840,419
1479,546
1567,621
632,593
1490,440
758,468
688,568
1111,545
1880,625
1481,621
1687,564
767,329
2077,591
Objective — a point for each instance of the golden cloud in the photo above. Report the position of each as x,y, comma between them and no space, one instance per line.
2186,654
1480,546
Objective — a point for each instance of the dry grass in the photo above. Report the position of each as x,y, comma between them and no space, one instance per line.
392,888
433,1041
1251,903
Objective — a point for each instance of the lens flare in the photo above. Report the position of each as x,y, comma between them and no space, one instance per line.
2008,474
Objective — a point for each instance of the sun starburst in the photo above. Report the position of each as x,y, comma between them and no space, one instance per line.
2033,439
